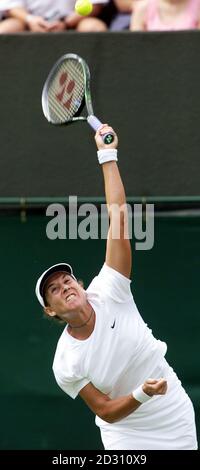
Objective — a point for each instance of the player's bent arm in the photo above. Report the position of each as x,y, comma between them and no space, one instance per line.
107,409
138,16
113,410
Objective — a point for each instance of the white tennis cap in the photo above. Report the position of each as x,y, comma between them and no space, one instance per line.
60,267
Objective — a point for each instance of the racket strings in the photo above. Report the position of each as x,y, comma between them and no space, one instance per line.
66,91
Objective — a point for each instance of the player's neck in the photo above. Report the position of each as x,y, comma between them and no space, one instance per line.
82,330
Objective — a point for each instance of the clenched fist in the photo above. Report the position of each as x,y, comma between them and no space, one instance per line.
155,387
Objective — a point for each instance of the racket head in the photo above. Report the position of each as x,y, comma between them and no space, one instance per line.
66,89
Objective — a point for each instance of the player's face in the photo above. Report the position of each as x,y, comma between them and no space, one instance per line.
63,294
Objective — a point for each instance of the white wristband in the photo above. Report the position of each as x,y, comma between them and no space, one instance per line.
140,395
107,155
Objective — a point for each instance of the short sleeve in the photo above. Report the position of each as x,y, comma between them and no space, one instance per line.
70,385
111,283
67,366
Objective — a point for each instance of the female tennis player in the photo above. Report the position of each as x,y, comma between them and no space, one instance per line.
106,353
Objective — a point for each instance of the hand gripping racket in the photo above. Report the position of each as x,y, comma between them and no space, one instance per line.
66,91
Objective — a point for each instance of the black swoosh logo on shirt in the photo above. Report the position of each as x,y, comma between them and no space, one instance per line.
113,326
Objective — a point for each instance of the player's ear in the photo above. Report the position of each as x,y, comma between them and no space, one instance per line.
81,283
49,311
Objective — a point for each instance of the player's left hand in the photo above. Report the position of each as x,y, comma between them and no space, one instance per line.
155,387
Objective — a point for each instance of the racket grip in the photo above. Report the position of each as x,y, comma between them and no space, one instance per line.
94,122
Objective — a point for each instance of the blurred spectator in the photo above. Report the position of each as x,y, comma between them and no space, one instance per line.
122,17
165,15
47,16
116,14
91,23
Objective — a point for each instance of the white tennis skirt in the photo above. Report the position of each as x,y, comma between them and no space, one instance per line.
166,422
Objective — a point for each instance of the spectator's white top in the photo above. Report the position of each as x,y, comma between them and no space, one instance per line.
48,9
119,355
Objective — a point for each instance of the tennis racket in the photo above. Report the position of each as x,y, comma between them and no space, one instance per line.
66,92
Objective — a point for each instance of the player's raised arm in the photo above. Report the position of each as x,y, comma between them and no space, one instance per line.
118,251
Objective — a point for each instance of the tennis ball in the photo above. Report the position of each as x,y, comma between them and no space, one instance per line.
83,7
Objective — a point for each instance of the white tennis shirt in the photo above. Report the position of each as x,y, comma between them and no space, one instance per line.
49,9
121,342
119,355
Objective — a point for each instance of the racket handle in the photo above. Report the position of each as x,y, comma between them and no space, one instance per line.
94,122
